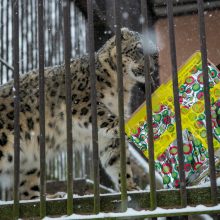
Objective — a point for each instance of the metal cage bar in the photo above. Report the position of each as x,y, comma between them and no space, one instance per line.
32,35
7,40
15,41
22,36
2,40
176,103
41,108
202,35
145,26
67,47
26,33
41,207
93,106
124,197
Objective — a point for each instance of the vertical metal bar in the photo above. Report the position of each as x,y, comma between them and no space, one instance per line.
46,32
94,106
176,103
22,37
32,34
153,202
214,193
61,30
7,38
56,32
41,108
53,34
2,41
76,19
49,30
26,17
124,204
67,47
15,39
35,33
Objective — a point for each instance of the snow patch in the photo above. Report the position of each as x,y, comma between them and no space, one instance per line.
133,213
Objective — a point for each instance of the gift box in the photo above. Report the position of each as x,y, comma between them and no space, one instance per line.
191,99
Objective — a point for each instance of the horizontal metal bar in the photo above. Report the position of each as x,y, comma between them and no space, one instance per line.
131,214
112,202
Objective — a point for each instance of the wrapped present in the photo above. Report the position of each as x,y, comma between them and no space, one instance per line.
195,161
191,98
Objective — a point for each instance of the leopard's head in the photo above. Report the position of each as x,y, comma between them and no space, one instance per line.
133,55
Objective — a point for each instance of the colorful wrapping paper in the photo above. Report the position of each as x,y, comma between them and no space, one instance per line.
191,98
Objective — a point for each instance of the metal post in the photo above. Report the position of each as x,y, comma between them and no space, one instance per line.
15,29
67,47
124,201
41,107
153,200
94,106
214,193
176,104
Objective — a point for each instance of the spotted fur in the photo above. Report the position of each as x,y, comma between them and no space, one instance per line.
107,109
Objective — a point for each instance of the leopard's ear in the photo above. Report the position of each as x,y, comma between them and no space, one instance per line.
125,33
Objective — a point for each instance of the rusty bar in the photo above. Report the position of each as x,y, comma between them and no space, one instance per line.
42,108
67,47
94,106
15,42
176,103
145,27
207,101
124,197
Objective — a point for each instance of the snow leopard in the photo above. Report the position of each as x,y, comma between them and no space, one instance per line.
55,113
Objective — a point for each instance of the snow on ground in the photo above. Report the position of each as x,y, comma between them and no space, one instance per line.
133,213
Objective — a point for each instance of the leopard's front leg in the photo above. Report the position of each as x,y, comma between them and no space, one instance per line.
109,144
110,160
